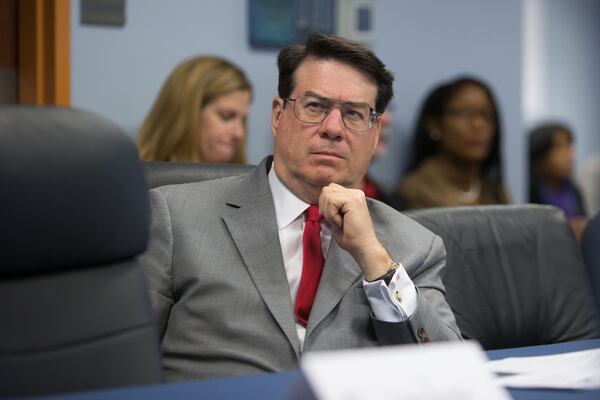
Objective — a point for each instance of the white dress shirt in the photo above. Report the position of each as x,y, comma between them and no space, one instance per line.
393,303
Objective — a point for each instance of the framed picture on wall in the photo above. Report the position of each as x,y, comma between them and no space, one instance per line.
274,23
102,12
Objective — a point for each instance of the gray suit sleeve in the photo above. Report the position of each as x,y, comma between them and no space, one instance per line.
157,261
433,319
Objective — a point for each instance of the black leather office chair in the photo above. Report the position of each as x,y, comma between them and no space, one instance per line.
590,245
74,212
514,274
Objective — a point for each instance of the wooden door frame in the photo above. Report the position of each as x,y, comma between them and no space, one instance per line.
44,48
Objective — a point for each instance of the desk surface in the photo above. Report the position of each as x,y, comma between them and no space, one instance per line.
292,386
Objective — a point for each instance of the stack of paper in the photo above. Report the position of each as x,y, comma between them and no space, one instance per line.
577,370
451,370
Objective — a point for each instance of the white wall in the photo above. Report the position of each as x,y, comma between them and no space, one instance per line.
118,71
565,83
427,41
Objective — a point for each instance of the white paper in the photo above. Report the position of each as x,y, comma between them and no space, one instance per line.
576,370
451,370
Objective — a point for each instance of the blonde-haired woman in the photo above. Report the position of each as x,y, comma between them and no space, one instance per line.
199,115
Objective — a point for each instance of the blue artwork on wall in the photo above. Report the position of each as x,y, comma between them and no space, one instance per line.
275,23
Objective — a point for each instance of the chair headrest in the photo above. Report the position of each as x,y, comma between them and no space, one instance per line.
73,191
169,173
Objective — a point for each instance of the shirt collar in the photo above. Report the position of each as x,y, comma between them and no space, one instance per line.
288,206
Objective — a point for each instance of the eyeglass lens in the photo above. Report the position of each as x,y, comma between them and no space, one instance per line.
356,116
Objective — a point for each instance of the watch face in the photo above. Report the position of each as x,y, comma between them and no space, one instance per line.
387,278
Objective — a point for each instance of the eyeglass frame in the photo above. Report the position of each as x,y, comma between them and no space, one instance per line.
373,114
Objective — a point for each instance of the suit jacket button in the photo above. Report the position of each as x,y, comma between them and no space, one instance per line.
421,333
425,339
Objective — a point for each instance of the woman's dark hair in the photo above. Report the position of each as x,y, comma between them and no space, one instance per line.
329,47
541,141
435,106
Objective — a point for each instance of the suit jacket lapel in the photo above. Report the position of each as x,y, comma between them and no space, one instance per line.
340,272
250,219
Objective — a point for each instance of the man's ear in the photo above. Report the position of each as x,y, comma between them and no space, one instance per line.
276,112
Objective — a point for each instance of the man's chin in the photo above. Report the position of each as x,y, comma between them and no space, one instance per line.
324,176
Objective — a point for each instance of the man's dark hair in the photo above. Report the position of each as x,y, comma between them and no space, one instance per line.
328,47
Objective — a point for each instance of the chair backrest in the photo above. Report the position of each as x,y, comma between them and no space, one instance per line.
590,245
74,214
169,173
514,274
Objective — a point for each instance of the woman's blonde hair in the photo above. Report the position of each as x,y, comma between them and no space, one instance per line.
169,130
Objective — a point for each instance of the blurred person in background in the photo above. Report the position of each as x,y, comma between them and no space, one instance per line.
551,163
370,186
456,155
199,115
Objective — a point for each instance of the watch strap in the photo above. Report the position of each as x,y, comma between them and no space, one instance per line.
387,277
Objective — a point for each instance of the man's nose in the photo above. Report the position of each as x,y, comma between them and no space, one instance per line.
332,127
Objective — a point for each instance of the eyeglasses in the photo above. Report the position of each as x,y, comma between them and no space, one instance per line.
358,117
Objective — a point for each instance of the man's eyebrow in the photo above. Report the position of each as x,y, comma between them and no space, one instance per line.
315,94
321,97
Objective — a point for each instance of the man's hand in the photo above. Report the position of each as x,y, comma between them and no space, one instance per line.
346,212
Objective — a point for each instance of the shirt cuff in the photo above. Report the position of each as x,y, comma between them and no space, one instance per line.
394,303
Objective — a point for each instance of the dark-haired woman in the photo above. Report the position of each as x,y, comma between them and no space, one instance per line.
551,159
456,155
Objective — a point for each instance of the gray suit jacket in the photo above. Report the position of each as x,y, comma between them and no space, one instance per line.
221,295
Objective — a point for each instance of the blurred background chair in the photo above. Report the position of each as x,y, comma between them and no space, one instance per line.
74,309
169,173
590,245
514,274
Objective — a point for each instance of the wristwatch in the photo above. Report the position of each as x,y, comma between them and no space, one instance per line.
387,277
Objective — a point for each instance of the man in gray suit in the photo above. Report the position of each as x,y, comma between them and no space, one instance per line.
228,258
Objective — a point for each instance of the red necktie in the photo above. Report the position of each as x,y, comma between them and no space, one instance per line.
312,264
